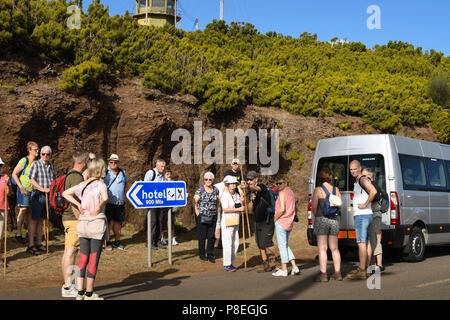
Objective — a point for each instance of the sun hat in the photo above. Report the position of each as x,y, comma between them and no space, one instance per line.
230,179
113,157
251,175
235,161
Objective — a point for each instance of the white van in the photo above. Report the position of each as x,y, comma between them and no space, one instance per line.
414,173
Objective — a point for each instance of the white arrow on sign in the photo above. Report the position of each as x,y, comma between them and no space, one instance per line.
135,198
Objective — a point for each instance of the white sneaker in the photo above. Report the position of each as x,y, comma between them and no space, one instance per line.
93,297
295,271
69,293
174,242
79,297
280,273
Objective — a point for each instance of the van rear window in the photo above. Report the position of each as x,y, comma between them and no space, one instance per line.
341,174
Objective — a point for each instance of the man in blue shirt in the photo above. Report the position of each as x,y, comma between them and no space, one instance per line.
115,180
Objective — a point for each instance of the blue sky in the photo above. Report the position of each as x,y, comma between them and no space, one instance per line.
422,23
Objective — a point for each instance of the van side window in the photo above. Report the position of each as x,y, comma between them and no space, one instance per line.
436,174
376,163
413,172
447,164
337,165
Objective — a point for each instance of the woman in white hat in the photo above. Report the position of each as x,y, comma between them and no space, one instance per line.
231,206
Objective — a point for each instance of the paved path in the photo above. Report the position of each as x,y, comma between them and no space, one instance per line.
429,279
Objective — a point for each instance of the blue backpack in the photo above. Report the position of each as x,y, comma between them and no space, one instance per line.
21,172
328,211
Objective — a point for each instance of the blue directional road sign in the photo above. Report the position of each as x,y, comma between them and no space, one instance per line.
151,194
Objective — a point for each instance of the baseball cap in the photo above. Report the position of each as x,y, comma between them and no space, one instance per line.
113,157
251,175
230,179
235,161
1,162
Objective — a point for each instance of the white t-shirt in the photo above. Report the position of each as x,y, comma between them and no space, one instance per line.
360,196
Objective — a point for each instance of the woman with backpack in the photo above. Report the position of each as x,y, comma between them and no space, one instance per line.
206,206
92,225
326,225
284,222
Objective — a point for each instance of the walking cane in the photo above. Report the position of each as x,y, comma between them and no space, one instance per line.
6,224
245,202
46,230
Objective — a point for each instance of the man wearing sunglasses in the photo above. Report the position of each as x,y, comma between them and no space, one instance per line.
42,173
115,180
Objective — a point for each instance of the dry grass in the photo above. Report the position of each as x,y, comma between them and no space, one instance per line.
26,271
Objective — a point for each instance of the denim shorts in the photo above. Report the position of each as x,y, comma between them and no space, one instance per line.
39,206
23,200
362,225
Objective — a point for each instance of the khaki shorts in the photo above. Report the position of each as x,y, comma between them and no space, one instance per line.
70,229
2,224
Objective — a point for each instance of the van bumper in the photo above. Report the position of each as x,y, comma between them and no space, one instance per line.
392,238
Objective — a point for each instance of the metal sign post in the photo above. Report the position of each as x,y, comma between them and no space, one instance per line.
158,194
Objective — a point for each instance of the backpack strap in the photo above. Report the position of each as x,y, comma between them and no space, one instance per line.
327,194
68,174
119,171
82,191
334,190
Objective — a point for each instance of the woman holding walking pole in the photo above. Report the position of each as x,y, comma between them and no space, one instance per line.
5,190
231,207
92,225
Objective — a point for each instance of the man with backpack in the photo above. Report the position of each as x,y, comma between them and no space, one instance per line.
263,209
375,226
70,221
115,181
363,194
157,214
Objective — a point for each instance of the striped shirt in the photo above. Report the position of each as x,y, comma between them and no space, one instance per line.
43,174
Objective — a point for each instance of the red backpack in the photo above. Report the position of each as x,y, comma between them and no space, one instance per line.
57,187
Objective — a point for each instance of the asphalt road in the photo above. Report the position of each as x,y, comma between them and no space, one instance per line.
429,279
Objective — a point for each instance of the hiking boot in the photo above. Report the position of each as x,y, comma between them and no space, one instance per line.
211,259
265,267
163,242
357,274
203,258
20,239
174,242
322,277
93,297
71,292
161,246
118,245
79,297
337,276
108,246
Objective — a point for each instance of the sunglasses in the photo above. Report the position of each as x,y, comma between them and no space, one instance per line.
111,162
208,179
35,149
46,154
279,183
235,163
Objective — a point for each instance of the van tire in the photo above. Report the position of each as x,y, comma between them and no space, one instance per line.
415,249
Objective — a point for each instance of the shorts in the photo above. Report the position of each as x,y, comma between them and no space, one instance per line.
39,206
264,234
324,226
375,236
362,225
71,234
23,200
115,212
2,224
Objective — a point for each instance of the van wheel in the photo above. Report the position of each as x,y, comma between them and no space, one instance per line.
415,249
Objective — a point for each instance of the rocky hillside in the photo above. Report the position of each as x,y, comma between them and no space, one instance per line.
137,124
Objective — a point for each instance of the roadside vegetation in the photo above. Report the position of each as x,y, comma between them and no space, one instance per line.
229,66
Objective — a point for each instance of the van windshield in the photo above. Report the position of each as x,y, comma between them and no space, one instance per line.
340,167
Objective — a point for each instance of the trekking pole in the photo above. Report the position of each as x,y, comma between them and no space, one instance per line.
245,202
46,205
243,242
6,224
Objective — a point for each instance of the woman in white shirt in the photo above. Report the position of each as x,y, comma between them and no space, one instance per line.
231,206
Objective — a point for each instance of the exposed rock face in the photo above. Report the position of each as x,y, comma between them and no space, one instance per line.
137,124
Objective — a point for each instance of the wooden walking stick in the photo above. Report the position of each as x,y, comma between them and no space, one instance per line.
46,230
243,243
245,202
6,224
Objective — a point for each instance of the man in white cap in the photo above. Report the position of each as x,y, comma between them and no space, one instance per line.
234,171
115,181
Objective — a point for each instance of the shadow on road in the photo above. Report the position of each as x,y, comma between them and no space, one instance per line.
140,282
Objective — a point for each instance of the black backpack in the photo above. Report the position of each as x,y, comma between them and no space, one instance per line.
381,197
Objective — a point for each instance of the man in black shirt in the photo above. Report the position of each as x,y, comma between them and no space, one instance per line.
234,171
265,226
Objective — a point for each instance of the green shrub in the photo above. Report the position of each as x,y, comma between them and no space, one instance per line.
294,156
439,89
301,160
343,125
83,77
310,146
